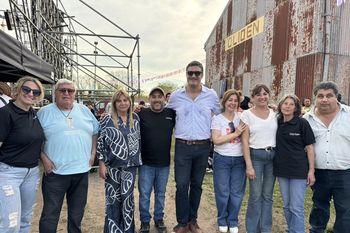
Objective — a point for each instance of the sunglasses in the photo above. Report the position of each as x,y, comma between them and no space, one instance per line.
66,90
27,90
232,127
196,73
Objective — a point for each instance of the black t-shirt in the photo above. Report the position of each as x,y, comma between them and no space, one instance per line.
156,131
21,135
245,103
291,139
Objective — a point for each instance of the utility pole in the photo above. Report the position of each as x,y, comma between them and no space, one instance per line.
95,52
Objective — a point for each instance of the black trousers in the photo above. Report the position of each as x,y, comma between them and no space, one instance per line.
54,188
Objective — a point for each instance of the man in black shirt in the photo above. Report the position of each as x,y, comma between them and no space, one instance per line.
156,124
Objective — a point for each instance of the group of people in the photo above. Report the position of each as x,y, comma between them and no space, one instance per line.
259,144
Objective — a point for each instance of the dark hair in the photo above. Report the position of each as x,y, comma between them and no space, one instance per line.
326,86
195,63
227,95
297,110
257,89
142,102
339,97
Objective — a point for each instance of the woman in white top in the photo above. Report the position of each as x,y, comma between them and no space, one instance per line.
259,141
228,163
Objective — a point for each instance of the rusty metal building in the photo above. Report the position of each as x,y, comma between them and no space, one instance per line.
298,44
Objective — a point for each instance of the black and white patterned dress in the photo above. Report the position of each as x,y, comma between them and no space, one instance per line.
120,150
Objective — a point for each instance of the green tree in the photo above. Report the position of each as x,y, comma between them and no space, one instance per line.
168,86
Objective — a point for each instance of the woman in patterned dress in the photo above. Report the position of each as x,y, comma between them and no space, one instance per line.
118,150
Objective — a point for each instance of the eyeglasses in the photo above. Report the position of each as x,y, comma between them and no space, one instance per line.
65,90
27,90
232,127
196,73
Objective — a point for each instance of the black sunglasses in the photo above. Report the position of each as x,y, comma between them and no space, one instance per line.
232,127
196,73
65,90
27,90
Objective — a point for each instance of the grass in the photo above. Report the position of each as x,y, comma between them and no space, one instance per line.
279,223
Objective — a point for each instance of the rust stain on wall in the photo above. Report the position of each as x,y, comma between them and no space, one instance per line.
229,19
218,45
280,44
306,68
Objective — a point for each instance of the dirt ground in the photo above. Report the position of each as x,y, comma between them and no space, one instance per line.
94,213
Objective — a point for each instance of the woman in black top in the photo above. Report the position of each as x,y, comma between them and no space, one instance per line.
21,138
294,160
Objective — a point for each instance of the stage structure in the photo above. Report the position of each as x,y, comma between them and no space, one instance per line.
77,51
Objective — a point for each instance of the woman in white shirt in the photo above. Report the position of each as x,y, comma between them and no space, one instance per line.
259,141
228,163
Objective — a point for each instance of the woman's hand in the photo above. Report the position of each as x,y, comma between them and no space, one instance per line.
49,166
241,127
102,170
250,173
311,178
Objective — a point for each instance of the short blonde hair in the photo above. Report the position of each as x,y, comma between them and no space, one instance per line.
114,111
19,84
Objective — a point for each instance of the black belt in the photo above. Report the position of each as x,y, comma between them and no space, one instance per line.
193,142
267,149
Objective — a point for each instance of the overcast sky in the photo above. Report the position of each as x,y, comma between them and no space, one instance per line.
172,32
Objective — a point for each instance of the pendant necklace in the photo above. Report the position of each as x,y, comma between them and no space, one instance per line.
68,119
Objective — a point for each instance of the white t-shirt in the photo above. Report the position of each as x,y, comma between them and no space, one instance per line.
5,98
232,148
262,131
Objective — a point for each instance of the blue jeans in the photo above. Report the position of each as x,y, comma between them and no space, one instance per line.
152,178
229,186
331,184
259,210
54,188
190,164
293,194
18,188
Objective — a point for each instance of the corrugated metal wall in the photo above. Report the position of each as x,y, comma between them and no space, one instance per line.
303,43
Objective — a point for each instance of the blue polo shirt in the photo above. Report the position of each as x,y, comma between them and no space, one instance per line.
68,141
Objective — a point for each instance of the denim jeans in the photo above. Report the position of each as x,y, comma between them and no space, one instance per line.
190,164
259,210
18,188
293,195
229,187
336,184
155,178
54,188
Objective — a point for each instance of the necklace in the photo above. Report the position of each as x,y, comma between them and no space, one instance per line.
68,119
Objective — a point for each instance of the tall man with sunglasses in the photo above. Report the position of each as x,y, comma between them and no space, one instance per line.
68,154
194,105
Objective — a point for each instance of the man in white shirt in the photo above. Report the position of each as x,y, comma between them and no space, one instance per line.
330,122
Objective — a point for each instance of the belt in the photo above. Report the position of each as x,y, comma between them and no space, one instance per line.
193,142
267,149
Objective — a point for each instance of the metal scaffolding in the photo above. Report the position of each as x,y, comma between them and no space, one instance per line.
86,57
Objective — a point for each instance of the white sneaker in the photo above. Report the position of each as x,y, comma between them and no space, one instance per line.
233,229
223,229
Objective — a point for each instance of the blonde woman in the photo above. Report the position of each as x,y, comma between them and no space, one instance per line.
118,149
21,138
